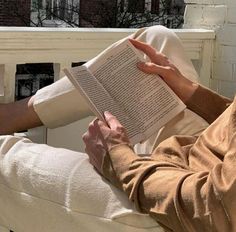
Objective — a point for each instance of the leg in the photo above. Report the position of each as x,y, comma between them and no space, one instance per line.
64,101
51,189
62,93
18,116
60,104
57,99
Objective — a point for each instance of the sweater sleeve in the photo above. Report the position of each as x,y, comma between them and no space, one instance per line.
207,103
180,193
179,198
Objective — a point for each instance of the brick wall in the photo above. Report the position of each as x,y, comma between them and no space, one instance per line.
15,12
96,13
219,15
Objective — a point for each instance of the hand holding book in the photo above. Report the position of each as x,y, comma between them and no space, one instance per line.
101,137
160,64
143,103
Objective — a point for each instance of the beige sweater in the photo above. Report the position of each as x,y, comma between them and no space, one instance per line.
188,183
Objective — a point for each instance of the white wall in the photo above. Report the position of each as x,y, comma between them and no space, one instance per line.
219,15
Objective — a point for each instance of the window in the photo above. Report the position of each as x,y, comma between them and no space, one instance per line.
31,77
155,6
136,6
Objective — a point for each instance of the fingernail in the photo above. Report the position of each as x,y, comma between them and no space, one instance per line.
140,64
106,113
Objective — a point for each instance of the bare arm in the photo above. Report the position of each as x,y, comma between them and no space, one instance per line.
199,99
18,116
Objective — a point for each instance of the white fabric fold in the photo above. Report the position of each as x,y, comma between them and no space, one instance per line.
53,189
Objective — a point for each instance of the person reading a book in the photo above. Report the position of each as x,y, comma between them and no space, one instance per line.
188,182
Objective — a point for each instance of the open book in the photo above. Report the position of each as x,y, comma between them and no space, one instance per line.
143,103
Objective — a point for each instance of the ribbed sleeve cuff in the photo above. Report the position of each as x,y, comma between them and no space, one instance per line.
118,162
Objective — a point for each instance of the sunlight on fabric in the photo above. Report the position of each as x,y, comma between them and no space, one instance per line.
3,229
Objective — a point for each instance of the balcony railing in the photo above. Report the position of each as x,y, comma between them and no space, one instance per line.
64,46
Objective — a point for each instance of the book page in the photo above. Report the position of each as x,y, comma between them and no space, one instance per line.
99,99
148,101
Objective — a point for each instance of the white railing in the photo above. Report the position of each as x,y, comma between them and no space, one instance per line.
64,46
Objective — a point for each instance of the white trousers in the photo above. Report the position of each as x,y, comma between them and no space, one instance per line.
52,189
60,103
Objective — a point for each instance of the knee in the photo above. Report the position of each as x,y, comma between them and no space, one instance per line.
159,29
161,32
157,35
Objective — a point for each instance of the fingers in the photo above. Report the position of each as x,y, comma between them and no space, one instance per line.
147,49
91,132
155,57
91,128
151,68
112,121
98,125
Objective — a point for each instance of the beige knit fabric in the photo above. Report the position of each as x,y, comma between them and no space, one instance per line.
188,183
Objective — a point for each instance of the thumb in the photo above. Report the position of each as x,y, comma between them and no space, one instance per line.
111,120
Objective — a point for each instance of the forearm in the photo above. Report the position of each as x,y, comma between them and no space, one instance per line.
176,196
201,100
207,103
18,116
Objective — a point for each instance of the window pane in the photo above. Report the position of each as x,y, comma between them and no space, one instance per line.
31,77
